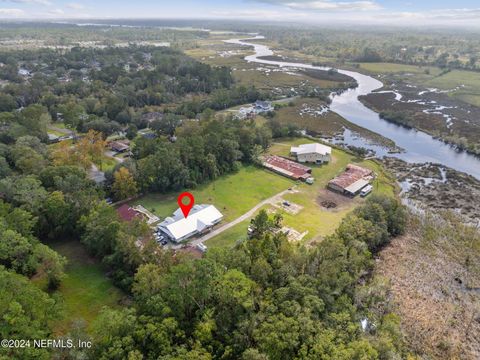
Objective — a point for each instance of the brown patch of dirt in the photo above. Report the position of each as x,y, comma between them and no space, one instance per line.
436,296
332,201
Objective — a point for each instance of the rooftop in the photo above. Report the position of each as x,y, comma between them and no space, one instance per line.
286,167
200,218
351,175
311,148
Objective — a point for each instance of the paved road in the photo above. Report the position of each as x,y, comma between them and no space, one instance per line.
112,154
272,200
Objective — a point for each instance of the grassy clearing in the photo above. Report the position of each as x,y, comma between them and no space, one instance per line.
55,132
230,237
382,68
328,125
313,218
108,163
85,289
249,75
455,78
469,80
318,221
233,194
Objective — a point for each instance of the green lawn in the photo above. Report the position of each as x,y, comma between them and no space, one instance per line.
108,163
318,221
469,93
455,78
233,194
383,68
230,237
85,289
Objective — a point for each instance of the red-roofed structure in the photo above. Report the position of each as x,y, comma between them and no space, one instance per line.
352,180
127,213
287,167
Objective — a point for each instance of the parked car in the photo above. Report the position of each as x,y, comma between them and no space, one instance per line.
366,190
286,203
201,247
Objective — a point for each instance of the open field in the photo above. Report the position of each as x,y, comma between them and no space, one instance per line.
85,289
233,194
263,77
328,124
468,81
382,68
313,218
464,85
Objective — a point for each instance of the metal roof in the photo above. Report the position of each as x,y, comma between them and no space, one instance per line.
311,148
200,217
357,186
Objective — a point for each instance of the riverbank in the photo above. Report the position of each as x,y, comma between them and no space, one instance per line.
419,147
437,188
442,122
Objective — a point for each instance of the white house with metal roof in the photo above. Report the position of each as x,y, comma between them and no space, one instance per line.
314,153
200,219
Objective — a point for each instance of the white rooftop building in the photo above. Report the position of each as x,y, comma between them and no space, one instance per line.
315,153
200,219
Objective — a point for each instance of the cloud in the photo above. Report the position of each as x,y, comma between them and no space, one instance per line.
36,2
55,12
326,5
11,12
76,6
253,14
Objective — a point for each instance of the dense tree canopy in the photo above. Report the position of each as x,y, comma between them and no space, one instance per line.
264,299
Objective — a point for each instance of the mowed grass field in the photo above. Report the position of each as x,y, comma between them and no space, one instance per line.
233,194
85,289
313,218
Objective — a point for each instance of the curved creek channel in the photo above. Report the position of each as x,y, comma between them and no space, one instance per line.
418,146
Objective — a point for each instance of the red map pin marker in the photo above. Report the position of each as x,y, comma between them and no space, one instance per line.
185,207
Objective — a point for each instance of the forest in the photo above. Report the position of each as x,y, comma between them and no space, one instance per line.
265,297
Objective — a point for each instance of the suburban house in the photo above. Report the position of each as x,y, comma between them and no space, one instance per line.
262,106
200,220
314,153
287,167
352,180
120,146
24,72
245,113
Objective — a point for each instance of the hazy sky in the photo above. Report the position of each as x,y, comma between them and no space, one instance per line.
415,12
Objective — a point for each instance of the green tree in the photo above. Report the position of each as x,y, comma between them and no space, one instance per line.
124,185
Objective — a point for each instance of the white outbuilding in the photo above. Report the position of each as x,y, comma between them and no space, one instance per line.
200,220
313,153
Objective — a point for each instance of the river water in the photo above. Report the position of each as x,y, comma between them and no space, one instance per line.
418,146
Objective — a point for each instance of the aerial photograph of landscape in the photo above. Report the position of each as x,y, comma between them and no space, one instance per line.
239,179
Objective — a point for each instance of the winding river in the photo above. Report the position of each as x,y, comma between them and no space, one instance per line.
418,146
